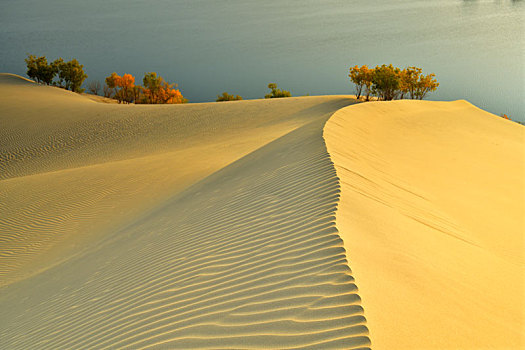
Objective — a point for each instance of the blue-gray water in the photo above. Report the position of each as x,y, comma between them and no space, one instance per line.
476,48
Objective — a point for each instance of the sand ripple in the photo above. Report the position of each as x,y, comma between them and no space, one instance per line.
247,258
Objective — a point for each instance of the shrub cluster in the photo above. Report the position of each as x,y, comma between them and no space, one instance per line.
70,74
276,93
227,97
389,82
384,82
155,90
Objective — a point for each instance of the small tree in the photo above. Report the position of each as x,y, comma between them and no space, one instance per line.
362,79
227,97
126,86
71,74
32,67
40,70
424,85
385,82
408,78
276,93
415,84
157,90
121,87
111,85
152,86
169,94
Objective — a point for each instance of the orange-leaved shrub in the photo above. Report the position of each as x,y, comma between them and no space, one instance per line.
155,90
389,82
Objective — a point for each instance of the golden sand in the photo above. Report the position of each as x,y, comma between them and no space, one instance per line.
432,214
243,224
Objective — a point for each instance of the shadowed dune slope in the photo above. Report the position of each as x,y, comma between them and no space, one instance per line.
196,226
432,216
73,170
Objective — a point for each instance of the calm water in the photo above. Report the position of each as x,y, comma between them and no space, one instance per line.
476,48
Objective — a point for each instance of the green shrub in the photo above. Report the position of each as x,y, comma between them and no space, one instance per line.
227,97
40,70
277,93
385,82
70,74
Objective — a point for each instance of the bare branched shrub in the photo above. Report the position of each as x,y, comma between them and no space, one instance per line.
94,87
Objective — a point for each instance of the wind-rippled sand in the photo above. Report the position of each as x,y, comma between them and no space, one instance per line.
197,226
238,225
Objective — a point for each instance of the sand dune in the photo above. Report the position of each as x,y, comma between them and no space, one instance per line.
239,260
432,215
241,225
213,229
74,169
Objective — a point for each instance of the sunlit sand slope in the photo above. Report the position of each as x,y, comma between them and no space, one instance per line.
247,258
74,170
206,226
432,215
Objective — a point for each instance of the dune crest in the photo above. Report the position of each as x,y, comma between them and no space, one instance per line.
431,214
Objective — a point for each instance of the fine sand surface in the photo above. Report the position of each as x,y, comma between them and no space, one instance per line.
432,214
73,169
242,225
196,226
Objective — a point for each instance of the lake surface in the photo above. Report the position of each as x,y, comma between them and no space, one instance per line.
475,48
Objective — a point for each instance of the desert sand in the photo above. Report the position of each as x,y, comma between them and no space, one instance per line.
305,222
432,213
